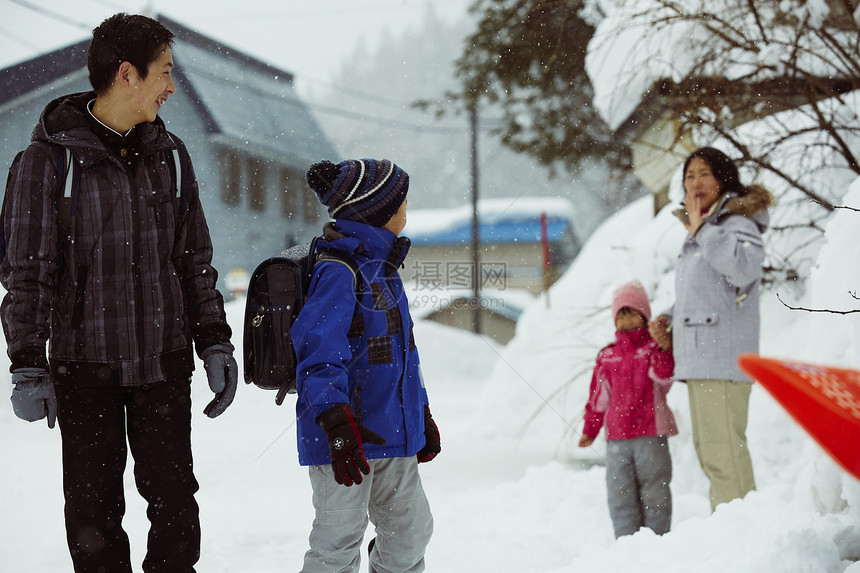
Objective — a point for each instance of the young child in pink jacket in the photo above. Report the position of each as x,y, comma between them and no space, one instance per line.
628,394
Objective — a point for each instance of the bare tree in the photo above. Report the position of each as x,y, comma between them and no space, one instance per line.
775,83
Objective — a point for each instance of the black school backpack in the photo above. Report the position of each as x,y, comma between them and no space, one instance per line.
277,291
67,189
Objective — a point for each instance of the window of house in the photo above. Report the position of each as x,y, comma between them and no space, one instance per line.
230,177
257,184
311,205
290,188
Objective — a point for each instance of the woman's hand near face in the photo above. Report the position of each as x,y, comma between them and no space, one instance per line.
693,203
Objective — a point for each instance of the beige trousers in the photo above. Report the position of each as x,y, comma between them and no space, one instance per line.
718,410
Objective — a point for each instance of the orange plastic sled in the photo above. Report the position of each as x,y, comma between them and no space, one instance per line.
824,400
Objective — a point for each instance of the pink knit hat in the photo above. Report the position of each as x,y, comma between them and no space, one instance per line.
631,295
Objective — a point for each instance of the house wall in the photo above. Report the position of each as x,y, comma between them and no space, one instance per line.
246,227
20,116
657,153
502,266
499,328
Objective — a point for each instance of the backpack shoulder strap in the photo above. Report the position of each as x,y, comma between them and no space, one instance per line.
339,257
179,161
67,191
64,161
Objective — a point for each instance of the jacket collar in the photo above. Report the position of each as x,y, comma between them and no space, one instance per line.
754,205
635,338
362,240
64,121
756,200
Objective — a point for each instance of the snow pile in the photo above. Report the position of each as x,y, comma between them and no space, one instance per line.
805,515
510,494
639,43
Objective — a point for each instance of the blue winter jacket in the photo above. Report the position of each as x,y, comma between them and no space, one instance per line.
359,352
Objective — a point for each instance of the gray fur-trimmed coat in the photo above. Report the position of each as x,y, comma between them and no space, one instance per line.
716,313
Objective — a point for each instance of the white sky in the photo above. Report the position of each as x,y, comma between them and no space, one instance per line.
309,38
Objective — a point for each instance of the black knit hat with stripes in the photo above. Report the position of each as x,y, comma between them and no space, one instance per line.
365,190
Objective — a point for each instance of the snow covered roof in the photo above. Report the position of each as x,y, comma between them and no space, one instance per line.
505,220
239,97
18,80
632,59
246,99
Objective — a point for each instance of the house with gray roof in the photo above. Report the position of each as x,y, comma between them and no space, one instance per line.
249,135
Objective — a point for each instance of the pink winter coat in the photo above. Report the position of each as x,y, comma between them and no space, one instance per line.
628,389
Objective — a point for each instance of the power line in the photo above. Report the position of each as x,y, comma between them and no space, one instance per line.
113,5
20,39
374,98
399,124
348,114
328,109
388,122
328,13
51,14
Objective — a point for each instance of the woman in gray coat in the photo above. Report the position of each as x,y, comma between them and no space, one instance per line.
716,313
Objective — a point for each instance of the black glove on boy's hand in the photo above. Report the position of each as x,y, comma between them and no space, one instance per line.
346,436
433,443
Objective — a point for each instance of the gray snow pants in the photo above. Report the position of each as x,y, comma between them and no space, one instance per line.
391,497
638,473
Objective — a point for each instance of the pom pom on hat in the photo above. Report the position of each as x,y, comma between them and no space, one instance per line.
322,175
364,190
631,295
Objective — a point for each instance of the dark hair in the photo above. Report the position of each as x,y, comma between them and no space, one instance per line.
626,310
724,169
124,38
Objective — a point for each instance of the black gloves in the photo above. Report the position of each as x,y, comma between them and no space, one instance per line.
433,443
346,437
33,396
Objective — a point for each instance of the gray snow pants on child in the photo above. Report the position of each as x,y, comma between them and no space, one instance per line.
391,497
638,473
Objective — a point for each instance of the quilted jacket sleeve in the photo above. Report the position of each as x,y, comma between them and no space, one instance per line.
320,338
29,269
598,401
734,248
662,366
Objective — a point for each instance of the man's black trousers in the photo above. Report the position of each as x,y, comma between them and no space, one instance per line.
98,427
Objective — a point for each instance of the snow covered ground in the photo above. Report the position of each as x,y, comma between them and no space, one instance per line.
510,491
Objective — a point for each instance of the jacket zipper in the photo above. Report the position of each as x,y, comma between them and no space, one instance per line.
405,359
137,277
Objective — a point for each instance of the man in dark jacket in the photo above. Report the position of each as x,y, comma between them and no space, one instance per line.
121,295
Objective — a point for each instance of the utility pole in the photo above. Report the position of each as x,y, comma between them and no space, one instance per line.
476,309
544,242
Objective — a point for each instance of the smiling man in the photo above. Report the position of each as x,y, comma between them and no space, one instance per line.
122,286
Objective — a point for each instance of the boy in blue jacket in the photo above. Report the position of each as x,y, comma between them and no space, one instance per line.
364,421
